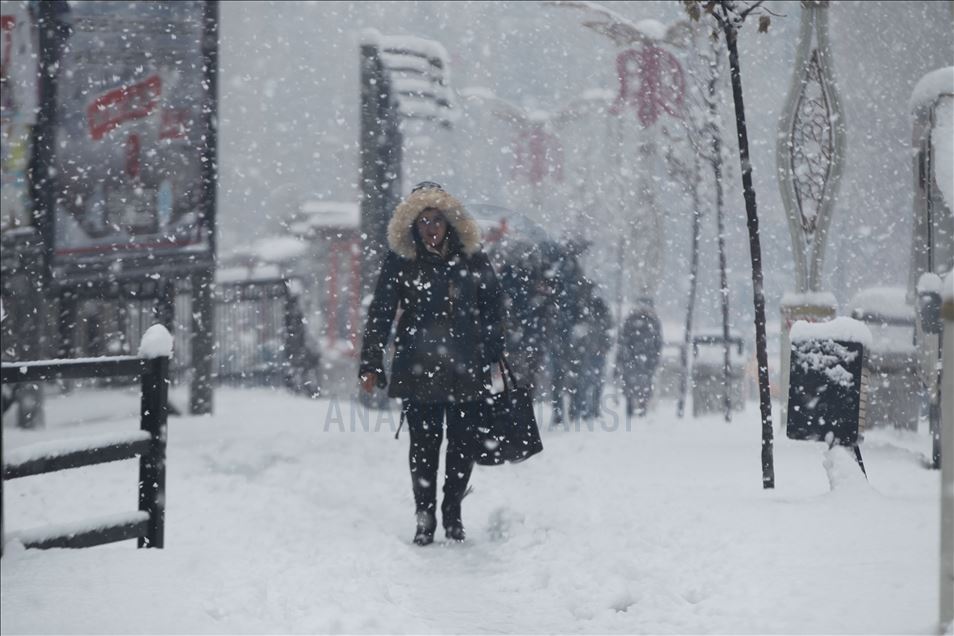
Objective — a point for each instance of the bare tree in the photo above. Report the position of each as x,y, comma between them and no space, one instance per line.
703,136
730,15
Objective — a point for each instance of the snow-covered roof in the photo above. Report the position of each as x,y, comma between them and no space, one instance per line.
279,249
809,299
323,214
240,274
404,61
431,48
889,302
931,86
414,85
842,329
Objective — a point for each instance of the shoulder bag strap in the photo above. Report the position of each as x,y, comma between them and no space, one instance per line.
507,373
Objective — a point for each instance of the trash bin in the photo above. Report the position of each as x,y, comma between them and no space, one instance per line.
708,375
828,387
669,373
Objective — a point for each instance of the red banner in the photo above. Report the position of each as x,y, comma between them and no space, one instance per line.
113,108
651,82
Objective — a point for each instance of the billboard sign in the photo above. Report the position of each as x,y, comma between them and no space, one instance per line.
17,111
132,136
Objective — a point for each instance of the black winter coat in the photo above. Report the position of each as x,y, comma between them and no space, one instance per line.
450,330
640,344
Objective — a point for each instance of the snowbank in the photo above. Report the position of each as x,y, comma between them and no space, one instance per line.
842,329
288,515
405,61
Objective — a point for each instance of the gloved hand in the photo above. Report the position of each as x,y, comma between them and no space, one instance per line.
370,379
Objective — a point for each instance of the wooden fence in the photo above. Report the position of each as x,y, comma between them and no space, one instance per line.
149,444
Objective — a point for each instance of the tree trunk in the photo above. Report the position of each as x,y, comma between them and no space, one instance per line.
693,278
723,278
201,390
765,396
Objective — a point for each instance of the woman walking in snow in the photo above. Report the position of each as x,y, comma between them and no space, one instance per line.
449,337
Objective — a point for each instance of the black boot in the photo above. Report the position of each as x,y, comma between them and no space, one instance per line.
426,524
450,515
455,532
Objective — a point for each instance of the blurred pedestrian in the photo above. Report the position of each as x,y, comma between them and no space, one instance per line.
567,284
593,348
527,300
640,346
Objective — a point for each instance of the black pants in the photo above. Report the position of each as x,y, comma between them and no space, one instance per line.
425,424
639,392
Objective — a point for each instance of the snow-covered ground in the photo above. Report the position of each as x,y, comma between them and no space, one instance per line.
282,518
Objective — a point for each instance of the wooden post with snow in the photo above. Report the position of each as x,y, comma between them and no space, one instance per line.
155,350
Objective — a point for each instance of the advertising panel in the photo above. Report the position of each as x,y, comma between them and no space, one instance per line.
131,140
18,97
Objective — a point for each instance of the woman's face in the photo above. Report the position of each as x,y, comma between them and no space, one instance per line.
432,227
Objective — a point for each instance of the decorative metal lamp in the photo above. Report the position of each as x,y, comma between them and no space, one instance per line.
810,154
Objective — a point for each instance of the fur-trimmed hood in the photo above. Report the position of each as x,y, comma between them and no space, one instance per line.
400,238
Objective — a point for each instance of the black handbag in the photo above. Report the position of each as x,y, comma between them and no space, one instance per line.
509,433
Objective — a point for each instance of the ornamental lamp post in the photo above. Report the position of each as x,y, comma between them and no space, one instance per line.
810,154
538,155
651,84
